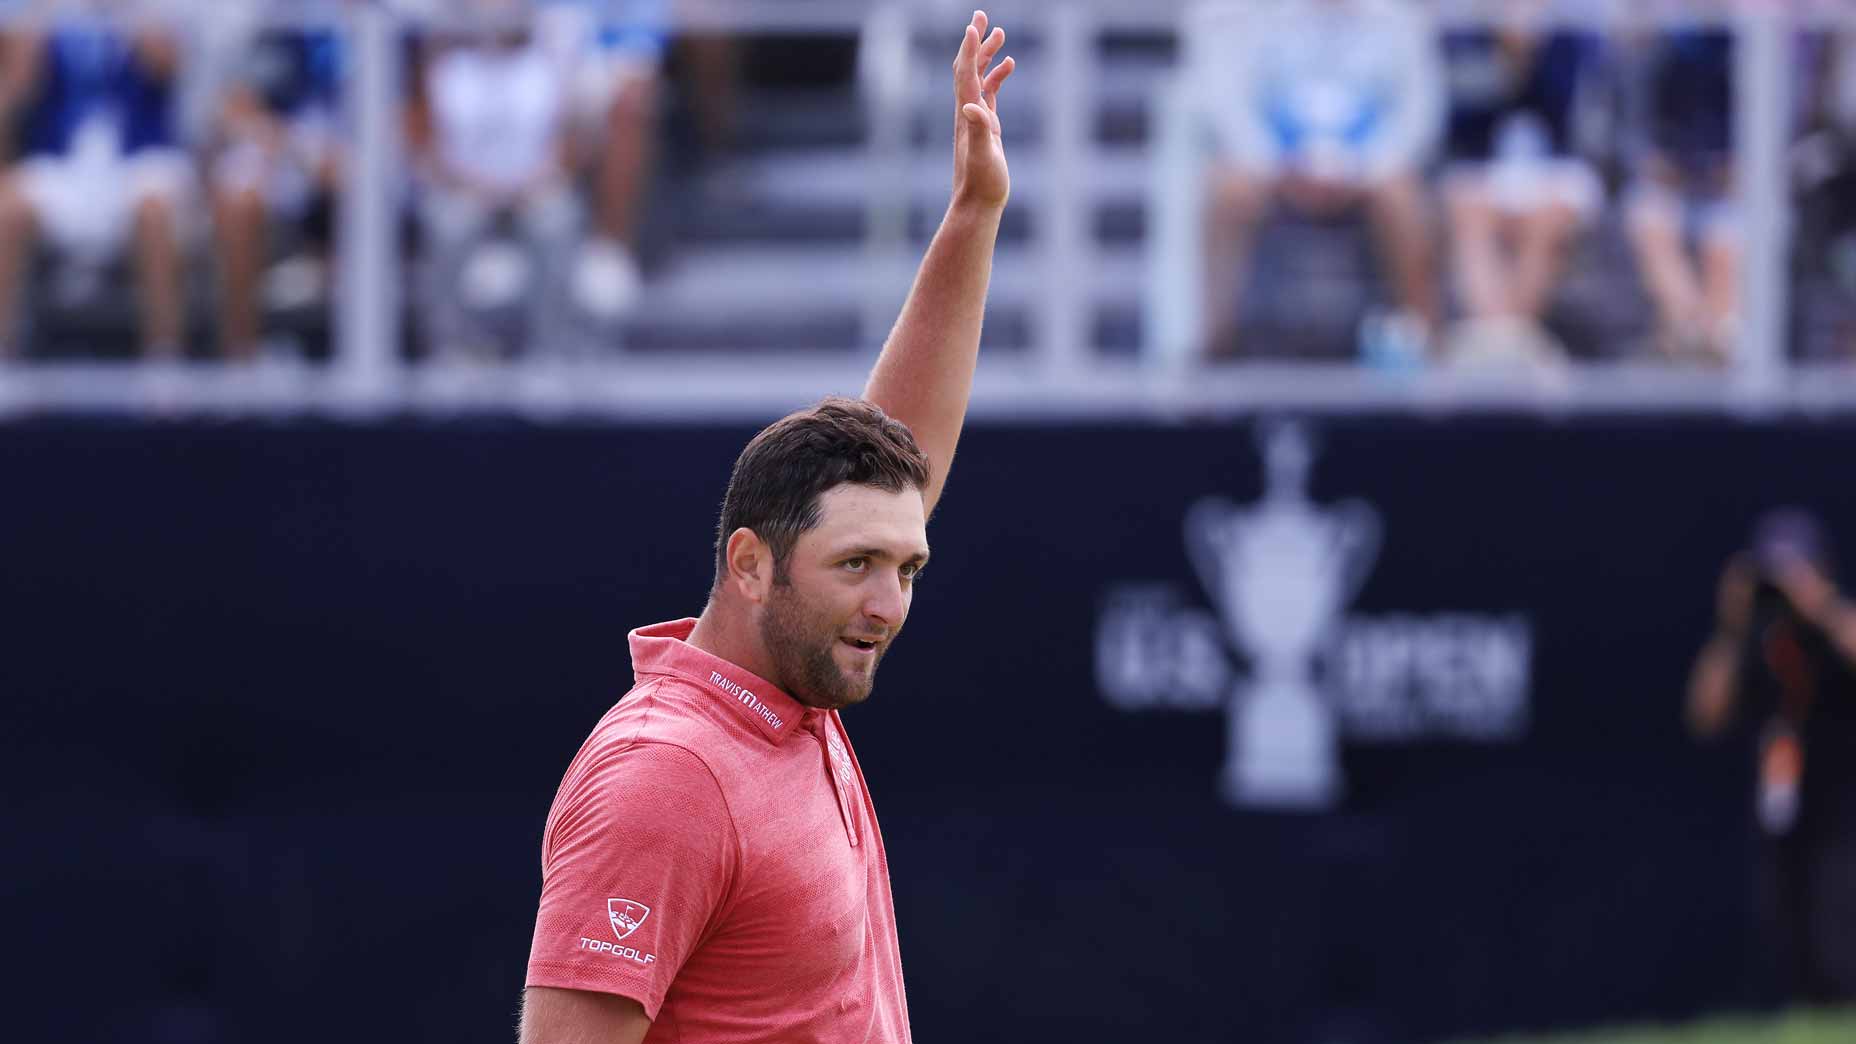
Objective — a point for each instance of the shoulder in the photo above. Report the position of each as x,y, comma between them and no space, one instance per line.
644,797
665,711
657,728
656,744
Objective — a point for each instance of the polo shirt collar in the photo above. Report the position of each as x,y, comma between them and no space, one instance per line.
664,649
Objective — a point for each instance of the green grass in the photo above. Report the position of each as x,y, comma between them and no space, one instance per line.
1804,1027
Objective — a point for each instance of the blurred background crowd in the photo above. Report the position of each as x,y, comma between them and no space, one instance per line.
177,169
1394,182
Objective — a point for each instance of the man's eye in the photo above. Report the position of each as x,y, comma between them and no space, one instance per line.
910,572
856,565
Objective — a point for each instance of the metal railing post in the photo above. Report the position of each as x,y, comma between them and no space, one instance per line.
885,67
367,321
1761,128
1067,248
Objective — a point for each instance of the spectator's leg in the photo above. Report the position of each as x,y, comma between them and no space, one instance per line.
713,61
625,162
607,282
238,232
18,235
1720,277
1675,288
1543,242
1237,201
452,223
551,225
1477,261
1403,231
158,276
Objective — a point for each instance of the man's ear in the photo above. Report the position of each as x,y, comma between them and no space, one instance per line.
750,565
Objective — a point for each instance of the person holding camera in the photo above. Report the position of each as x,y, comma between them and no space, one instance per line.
1783,658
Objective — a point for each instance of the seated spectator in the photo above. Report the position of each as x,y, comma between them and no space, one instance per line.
279,157
1684,222
489,123
619,49
1515,190
99,164
1823,172
1329,107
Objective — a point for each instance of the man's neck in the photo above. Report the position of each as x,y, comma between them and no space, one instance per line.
725,633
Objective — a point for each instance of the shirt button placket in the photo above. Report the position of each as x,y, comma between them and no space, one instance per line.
837,766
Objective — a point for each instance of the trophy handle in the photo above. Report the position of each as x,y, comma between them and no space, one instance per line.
1207,526
1356,543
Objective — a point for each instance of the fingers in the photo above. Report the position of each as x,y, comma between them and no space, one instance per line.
973,82
975,52
995,80
990,49
966,61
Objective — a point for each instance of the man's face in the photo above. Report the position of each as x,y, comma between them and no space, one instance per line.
844,594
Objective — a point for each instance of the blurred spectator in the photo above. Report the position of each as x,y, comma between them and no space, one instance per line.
1684,223
711,62
489,125
1823,169
1515,188
100,163
278,157
1330,107
619,50
1784,655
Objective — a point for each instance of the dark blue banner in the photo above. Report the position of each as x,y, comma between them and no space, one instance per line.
1364,729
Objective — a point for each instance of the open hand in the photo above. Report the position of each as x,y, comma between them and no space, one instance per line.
980,174
1811,593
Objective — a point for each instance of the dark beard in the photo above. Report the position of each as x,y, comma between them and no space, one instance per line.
802,655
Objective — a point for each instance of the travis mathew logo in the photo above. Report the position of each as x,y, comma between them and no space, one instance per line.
626,915
1280,573
747,698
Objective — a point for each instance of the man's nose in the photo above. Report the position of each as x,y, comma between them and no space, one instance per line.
884,601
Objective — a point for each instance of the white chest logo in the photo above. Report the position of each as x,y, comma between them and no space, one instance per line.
841,764
626,915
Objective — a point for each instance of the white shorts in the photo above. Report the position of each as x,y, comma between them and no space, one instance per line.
1709,218
1517,187
89,207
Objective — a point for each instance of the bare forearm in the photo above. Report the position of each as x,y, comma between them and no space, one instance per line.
1712,686
1839,625
159,52
20,54
925,373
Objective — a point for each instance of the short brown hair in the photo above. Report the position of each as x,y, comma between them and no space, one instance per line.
780,476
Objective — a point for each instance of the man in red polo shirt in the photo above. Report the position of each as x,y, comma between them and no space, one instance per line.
712,869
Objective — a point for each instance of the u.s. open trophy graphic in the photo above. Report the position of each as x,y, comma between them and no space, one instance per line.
1280,572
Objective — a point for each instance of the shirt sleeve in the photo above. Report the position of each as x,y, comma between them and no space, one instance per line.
636,866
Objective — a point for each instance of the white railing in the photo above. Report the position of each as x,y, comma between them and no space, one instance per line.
1062,375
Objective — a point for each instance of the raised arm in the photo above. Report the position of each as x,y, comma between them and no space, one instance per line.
925,373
